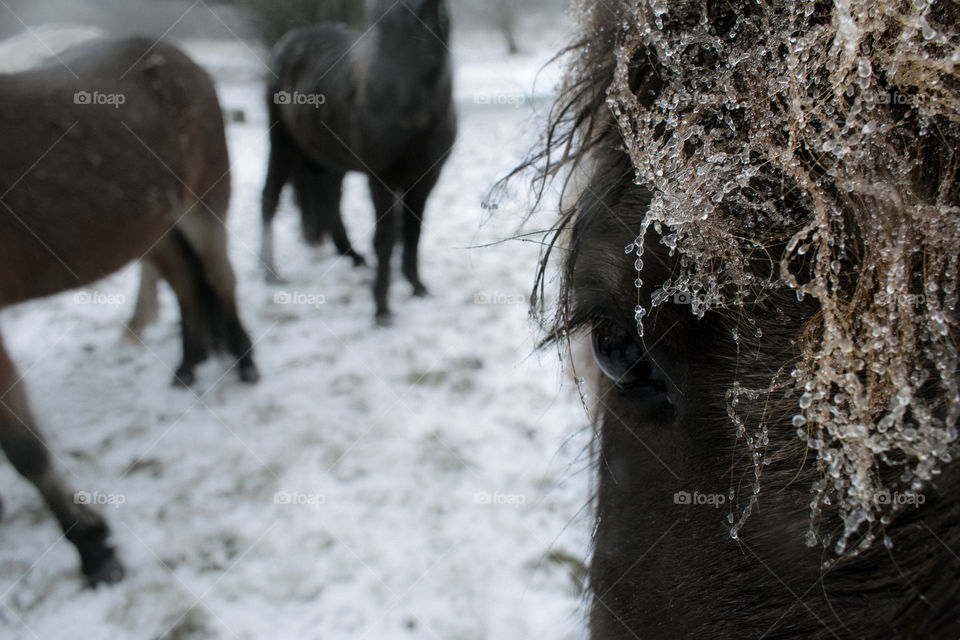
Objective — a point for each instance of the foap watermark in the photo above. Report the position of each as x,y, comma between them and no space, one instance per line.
297,298
314,100
99,499
711,100
99,298
115,100
686,498
903,300
886,498
299,499
701,299
497,298
497,499
895,97
500,99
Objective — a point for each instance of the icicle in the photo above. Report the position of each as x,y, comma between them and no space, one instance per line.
727,184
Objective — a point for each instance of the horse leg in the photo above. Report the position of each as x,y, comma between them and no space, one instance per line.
414,204
27,451
386,203
320,193
342,241
217,282
309,187
172,259
147,308
279,166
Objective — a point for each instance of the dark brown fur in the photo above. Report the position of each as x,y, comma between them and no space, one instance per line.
387,112
86,188
667,570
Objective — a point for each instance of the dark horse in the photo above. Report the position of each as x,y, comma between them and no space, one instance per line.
761,244
116,152
378,102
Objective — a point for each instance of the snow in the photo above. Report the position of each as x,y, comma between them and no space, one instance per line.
35,44
412,482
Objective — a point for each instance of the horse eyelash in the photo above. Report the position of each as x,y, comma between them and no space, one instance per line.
566,325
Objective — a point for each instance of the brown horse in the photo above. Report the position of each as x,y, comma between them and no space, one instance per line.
764,251
113,153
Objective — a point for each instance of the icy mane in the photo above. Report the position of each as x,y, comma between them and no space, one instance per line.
805,146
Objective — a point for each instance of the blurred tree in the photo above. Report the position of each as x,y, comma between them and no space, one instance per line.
505,12
515,20
9,22
273,18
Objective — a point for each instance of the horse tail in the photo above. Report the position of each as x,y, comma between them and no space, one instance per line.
208,302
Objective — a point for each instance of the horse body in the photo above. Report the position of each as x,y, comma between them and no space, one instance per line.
145,171
379,103
117,154
394,132
66,135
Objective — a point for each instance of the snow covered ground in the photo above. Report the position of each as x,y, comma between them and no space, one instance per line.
423,481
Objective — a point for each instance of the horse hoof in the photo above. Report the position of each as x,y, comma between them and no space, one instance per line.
313,237
420,291
384,319
249,373
104,570
359,260
183,379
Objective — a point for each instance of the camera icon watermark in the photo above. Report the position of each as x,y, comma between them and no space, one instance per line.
886,498
497,298
497,499
904,300
686,498
895,97
315,100
98,499
500,99
95,98
699,299
299,499
99,298
297,298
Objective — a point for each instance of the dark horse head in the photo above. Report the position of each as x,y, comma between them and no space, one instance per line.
378,102
760,242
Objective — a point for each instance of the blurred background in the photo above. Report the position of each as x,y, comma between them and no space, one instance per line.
265,20
446,461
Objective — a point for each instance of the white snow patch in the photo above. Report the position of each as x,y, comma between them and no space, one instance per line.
41,43
387,443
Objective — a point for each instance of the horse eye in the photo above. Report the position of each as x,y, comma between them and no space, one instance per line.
621,358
